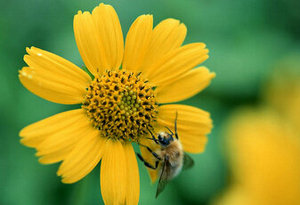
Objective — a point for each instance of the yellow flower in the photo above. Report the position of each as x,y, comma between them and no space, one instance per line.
264,152
124,99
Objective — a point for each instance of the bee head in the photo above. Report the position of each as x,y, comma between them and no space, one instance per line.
164,138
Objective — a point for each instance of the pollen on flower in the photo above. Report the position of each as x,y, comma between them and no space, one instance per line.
121,104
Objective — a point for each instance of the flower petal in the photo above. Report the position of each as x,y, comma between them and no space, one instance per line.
167,35
113,173
99,38
55,136
176,63
186,86
56,156
193,125
137,41
88,42
133,177
53,78
84,157
110,31
64,141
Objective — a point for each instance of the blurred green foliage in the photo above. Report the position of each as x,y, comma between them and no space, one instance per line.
245,38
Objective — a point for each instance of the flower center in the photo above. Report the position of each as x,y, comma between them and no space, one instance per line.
121,104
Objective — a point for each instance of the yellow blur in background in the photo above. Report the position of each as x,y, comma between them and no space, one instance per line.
263,144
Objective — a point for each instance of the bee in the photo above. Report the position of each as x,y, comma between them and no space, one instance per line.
169,157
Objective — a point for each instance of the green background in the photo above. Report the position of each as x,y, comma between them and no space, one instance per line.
246,39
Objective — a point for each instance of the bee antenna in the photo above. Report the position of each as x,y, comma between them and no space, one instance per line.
176,134
169,130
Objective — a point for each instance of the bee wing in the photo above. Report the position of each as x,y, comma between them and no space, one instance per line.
163,180
188,162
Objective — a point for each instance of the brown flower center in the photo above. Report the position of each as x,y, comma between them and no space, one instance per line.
121,104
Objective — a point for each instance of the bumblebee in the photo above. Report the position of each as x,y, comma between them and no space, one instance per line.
169,157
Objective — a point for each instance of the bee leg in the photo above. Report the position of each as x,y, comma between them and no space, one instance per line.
153,138
151,151
146,163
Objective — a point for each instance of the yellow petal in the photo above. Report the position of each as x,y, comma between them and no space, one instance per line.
111,36
53,78
84,157
54,137
56,156
99,38
113,174
40,130
88,43
63,141
137,41
193,125
133,177
186,86
167,35
176,63
64,137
